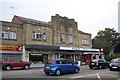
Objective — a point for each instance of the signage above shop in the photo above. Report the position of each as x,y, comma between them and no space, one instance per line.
11,47
79,49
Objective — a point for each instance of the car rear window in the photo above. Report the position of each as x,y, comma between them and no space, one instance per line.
5,59
95,60
116,60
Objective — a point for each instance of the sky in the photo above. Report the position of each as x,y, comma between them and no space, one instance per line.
91,15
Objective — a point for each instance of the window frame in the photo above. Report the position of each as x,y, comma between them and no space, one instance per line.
62,36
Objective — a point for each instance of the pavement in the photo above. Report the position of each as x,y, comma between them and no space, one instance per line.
36,65
40,65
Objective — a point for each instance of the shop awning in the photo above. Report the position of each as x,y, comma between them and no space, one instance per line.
10,52
93,53
42,47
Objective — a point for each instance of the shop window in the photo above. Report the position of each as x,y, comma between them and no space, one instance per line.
94,57
100,57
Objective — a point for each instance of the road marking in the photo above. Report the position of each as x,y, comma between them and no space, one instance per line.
77,77
98,76
110,75
83,76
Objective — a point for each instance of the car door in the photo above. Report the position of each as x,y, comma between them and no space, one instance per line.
69,66
64,66
12,61
18,62
103,63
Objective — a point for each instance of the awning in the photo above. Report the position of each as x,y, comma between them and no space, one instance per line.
42,47
93,53
10,52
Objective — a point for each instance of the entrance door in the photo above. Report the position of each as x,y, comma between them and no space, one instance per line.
36,57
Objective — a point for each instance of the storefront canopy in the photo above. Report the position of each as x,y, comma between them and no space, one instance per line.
10,52
42,47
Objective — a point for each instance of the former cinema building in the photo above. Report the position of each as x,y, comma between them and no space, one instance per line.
33,40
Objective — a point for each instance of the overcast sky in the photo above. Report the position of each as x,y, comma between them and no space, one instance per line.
91,15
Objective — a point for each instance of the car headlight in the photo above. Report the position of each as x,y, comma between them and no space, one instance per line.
110,64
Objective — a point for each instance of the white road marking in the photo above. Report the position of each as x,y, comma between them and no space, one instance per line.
98,76
89,75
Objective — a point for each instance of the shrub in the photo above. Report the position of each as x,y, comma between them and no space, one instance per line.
110,56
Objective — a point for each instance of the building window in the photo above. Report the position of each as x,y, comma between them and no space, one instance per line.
12,35
85,42
44,36
34,35
41,36
61,37
8,35
70,38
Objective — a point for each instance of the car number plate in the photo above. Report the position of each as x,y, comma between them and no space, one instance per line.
114,67
47,67
92,63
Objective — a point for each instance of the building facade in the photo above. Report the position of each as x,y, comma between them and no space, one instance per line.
59,38
11,38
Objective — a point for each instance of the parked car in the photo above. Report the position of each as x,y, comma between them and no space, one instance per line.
114,64
9,63
99,63
60,66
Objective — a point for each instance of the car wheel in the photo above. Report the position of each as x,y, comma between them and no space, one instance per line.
8,68
57,72
76,70
26,67
100,67
91,67
47,73
110,69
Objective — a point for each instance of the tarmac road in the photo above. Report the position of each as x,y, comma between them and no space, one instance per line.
85,73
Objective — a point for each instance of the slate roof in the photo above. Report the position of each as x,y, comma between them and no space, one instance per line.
10,24
33,21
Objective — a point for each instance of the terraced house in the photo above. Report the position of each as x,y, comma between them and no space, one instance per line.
58,38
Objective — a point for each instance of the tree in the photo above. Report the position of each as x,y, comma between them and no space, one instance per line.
117,49
106,39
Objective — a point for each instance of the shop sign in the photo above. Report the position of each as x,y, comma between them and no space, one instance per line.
11,47
85,49
79,49
65,48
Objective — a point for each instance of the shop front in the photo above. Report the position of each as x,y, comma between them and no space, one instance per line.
39,53
88,56
11,51
85,55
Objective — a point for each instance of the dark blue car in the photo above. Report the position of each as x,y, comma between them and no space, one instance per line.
60,66
114,64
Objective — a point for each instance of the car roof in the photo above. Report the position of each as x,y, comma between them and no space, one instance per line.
59,59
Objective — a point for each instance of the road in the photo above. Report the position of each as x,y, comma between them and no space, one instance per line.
85,73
